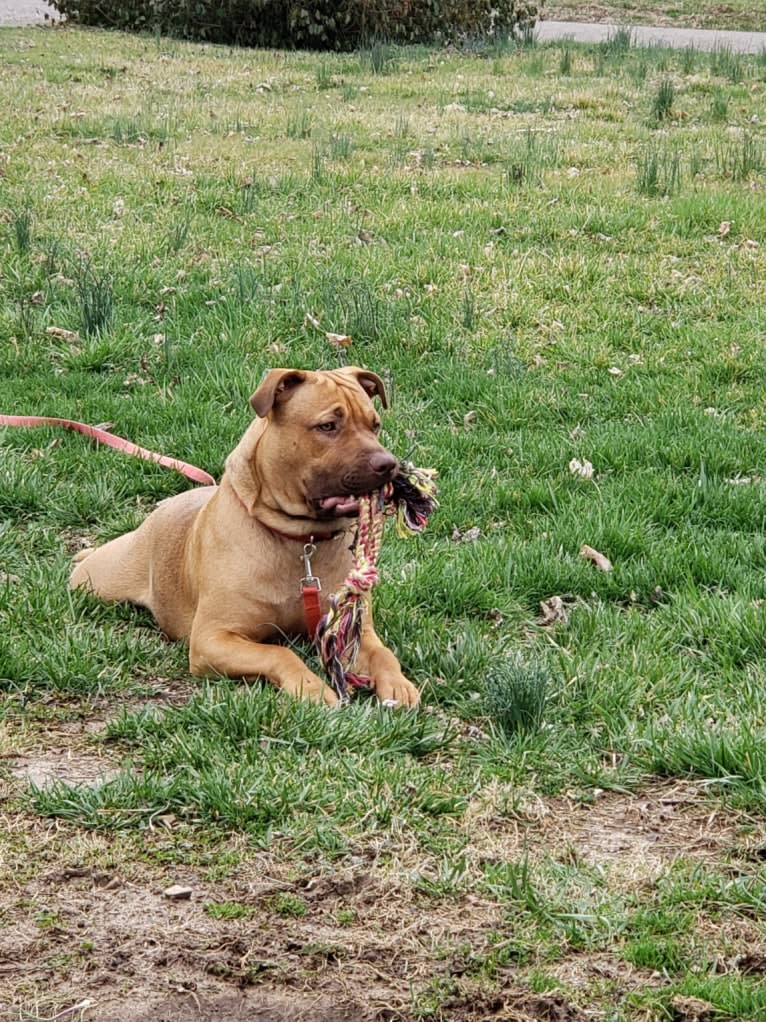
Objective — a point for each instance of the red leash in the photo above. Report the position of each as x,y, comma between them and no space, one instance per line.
109,440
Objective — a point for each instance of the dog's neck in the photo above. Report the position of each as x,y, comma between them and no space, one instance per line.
246,490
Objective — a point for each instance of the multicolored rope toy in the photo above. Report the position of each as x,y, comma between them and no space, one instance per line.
411,497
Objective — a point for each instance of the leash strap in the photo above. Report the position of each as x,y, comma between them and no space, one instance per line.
311,608
101,436
310,590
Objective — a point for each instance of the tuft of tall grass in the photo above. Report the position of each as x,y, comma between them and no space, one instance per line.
529,157
740,159
340,147
515,692
719,106
658,171
618,42
662,102
298,124
725,63
324,76
177,235
21,226
378,57
688,59
95,294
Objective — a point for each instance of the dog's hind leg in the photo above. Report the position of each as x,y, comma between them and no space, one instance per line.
118,570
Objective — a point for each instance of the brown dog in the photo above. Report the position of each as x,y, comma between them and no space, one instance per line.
221,566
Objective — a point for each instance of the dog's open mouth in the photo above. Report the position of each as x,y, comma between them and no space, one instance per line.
342,504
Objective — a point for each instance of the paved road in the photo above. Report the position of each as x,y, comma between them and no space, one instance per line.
679,38
32,12
25,12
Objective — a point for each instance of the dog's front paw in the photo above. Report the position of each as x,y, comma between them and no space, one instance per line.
309,686
396,691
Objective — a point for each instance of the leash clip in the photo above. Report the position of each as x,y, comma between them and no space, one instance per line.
309,580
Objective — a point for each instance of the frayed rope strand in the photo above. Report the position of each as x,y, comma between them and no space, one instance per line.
411,497
339,633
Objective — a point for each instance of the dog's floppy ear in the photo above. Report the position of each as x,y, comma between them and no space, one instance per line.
370,382
276,386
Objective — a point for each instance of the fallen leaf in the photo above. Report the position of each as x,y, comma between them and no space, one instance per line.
469,536
724,227
468,419
615,371
552,611
691,1009
599,560
61,334
339,340
583,469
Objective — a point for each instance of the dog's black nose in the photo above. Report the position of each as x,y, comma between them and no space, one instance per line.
383,463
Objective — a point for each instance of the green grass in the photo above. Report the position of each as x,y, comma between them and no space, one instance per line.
541,275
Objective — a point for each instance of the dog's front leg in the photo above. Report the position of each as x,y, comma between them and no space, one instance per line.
379,664
222,651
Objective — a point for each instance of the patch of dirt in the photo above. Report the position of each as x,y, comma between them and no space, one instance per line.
83,917
57,721
47,769
632,834
260,1007
106,934
645,14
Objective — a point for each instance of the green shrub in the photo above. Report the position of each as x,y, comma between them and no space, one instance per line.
308,24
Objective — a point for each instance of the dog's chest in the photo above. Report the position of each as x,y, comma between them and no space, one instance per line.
276,593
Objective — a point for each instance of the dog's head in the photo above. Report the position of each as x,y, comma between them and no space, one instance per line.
317,446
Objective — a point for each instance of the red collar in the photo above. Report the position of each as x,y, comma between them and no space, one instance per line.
313,537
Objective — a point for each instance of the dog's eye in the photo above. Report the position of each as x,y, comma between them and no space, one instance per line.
327,427
376,426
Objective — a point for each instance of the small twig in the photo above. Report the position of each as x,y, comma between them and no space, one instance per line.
82,1006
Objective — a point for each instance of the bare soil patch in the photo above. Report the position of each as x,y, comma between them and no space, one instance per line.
85,920
626,833
65,767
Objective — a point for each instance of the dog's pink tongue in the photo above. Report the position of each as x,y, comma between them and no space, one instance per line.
339,504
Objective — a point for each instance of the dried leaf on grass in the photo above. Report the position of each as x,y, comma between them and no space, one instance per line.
552,611
599,560
691,1009
339,340
61,334
469,536
583,469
